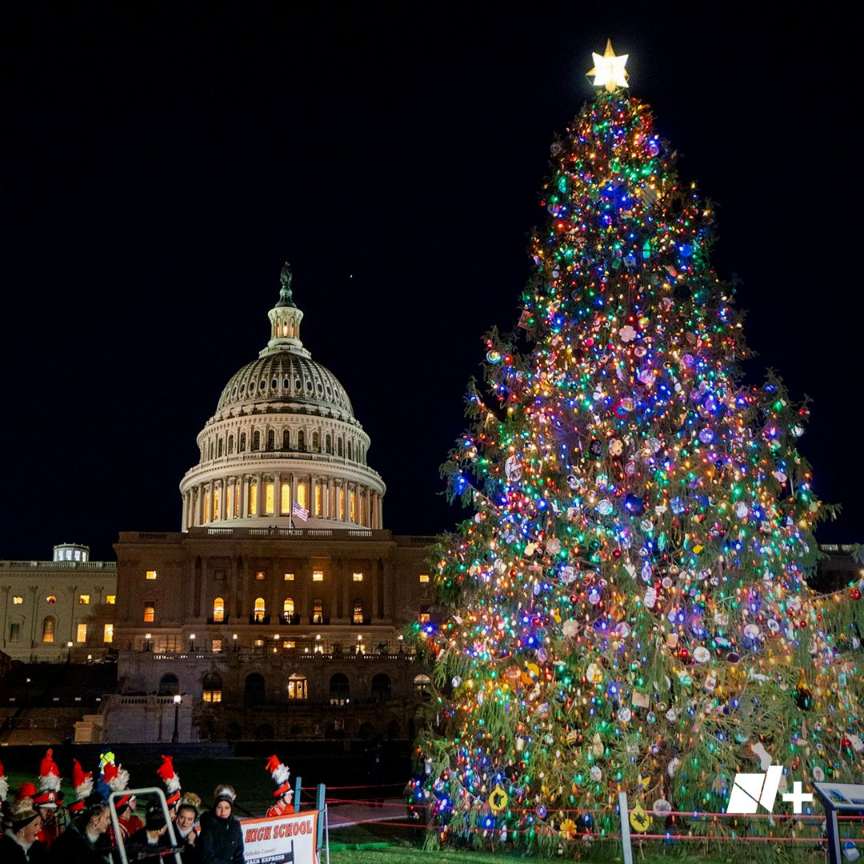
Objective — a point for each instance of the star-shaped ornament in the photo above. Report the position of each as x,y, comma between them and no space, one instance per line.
609,71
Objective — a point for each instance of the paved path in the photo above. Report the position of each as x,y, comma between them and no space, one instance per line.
354,813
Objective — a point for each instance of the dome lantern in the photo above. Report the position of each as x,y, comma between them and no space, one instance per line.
285,319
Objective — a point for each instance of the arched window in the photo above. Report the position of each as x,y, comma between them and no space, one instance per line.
260,611
242,447
338,446
301,440
288,610
218,610
381,688
286,440
328,443
271,439
256,440
211,688
298,688
219,447
49,627
316,441
357,616
254,690
350,450
340,692
230,444
422,685
169,685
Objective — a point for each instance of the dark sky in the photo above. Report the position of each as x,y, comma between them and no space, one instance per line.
160,161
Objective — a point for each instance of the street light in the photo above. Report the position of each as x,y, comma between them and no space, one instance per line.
192,642
68,652
147,638
177,700
234,640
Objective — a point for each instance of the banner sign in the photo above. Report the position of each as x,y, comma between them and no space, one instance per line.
281,839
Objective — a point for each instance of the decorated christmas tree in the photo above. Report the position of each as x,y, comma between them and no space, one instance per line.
628,607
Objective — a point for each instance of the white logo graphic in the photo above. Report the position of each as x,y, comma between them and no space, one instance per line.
751,790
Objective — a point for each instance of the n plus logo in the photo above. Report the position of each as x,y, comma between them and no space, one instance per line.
751,790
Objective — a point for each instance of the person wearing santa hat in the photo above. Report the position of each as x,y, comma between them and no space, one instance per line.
20,843
283,793
116,777
25,795
46,799
169,777
82,782
4,792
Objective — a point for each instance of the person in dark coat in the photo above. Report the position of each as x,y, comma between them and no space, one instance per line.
186,830
221,839
152,840
19,844
85,841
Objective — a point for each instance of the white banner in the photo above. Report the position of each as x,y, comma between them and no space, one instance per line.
281,839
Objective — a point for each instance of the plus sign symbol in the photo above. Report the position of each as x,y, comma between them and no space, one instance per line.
797,797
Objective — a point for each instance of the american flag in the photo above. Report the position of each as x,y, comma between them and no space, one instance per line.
300,512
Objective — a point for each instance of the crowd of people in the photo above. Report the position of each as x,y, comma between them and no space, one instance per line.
40,827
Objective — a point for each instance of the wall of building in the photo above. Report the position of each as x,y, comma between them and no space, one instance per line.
43,608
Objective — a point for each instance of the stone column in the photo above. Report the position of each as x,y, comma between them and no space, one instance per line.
292,482
260,495
277,495
223,494
330,498
183,525
244,495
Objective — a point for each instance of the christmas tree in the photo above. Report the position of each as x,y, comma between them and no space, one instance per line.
628,607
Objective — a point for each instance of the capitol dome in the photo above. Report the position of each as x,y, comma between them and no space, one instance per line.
283,447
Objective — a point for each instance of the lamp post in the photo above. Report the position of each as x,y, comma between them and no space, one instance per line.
147,638
234,640
177,700
68,652
192,643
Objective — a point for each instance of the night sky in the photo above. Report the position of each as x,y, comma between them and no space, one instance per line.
160,161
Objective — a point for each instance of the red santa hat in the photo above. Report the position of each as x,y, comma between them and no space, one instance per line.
4,784
280,774
82,781
49,773
26,790
169,777
116,776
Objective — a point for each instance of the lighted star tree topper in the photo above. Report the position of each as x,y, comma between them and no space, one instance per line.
627,608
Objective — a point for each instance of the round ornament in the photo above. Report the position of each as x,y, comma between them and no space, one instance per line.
498,799
640,821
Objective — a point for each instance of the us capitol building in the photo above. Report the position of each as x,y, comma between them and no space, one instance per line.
277,609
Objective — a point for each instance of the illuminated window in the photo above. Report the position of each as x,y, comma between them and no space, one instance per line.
357,577
352,509
302,496
252,507
319,500
218,610
341,499
288,606
17,600
108,633
211,688
289,643
357,617
298,688
111,599
269,497
217,500
49,625
83,599
81,633
259,643
259,575
317,575
150,575
260,610
285,499
216,646
424,577
207,505
230,503
317,611
287,577
149,612
51,599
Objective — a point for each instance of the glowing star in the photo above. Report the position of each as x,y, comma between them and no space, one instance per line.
609,71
